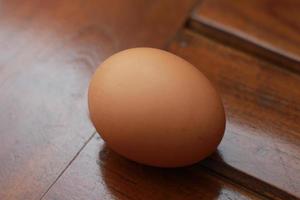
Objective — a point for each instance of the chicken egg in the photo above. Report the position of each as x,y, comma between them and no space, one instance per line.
155,108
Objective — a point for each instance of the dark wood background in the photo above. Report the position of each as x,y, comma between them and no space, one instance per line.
49,149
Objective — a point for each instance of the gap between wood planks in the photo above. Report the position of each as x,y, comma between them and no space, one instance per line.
260,49
68,165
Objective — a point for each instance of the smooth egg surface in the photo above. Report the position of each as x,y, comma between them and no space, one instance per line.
155,108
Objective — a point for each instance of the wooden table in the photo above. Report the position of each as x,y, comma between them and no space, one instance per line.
49,149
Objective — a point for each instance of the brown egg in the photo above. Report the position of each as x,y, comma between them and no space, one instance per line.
155,108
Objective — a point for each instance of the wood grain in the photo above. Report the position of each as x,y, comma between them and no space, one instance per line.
262,104
48,50
266,28
102,174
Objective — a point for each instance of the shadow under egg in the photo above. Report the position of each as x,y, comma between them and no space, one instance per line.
129,180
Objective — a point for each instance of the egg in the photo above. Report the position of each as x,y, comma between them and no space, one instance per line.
155,108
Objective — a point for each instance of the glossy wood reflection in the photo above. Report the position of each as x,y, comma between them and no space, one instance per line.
102,174
262,101
48,51
272,25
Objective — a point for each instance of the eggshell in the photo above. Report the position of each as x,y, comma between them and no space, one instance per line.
155,108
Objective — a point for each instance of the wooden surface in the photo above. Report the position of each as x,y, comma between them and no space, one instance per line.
49,49
271,25
102,174
262,135
261,139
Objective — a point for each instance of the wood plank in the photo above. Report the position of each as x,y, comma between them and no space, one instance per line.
48,50
102,174
262,104
266,28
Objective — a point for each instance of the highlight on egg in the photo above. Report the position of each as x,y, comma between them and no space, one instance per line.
155,108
